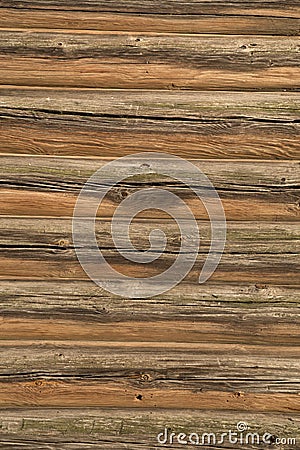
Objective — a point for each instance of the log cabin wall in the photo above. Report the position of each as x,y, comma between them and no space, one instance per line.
85,82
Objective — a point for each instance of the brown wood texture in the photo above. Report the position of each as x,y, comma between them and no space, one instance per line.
249,190
81,84
56,233
241,7
124,428
145,61
255,18
224,23
114,123
67,312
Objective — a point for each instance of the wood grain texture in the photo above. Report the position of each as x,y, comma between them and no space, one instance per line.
268,206
203,367
114,123
150,104
50,186
258,7
197,23
215,314
108,376
56,264
76,345
83,83
242,237
148,61
67,428
119,394
40,248
66,299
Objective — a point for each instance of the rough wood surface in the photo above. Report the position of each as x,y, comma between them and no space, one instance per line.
190,105
128,428
56,233
49,187
74,341
68,299
148,61
211,23
114,122
82,83
217,316
43,263
120,394
290,8
248,368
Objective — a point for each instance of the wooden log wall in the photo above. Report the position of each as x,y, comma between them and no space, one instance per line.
85,82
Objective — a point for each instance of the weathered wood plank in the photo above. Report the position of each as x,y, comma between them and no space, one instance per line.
56,264
166,366
129,428
226,319
50,134
242,237
50,393
248,24
258,7
162,61
228,345
262,206
188,105
115,123
264,332
249,191
70,174
236,325
84,300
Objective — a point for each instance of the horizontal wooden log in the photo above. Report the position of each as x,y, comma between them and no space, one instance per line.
221,330
67,301
57,264
216,313
258,7
242,237
275,206
49,134
48,393
70,174
227,24
84,301
167,366
116,123
147,61
113,429
249,191
195,106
